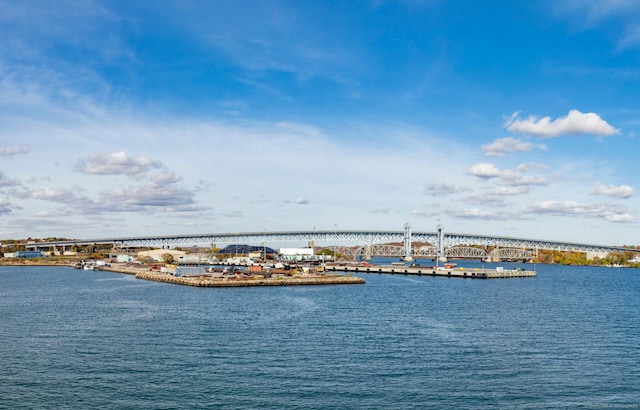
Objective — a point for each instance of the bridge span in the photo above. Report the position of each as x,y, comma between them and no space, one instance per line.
414,244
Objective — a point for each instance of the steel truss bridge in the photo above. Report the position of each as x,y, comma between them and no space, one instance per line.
359,243
431,252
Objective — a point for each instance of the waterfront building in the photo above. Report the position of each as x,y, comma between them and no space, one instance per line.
24,254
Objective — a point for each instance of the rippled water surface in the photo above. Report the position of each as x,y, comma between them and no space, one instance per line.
569,338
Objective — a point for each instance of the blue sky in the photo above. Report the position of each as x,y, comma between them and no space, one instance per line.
164,117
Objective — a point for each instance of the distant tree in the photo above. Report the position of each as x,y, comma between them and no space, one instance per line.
167,258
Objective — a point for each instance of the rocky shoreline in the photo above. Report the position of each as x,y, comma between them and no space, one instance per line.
211,282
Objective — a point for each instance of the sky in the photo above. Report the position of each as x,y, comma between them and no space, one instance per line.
142,118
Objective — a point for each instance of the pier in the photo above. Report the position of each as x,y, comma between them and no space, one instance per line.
465,273
210,281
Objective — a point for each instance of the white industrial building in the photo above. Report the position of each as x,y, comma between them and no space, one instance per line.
158,254
296,253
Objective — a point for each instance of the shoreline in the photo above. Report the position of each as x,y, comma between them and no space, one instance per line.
143,273
208,281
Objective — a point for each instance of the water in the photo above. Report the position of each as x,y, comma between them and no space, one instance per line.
569,338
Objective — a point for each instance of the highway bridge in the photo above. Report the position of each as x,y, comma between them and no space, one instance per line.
363,243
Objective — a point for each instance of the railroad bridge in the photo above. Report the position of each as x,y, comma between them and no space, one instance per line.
440,244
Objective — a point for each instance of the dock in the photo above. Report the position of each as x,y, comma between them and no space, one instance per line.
211,282
465,273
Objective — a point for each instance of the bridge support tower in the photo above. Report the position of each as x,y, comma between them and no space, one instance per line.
440,256
407,243
367,253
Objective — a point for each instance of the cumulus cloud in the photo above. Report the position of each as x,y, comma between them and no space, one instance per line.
301,201
609,212
508,145
164,178
620,218
575,123
510,191
515,177
484,170
484,200
61,195
150,197
118,163
13,150
475,213
423,214
436,189
5,207
160,193
621,191
530,165
6,182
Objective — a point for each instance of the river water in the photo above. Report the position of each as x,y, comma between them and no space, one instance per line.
569,338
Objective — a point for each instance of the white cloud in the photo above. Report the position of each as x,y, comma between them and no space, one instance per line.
13,150
8,182
164,178
484,170
530,165
148,198
441,189
504,191
508,145
62,195
621,191
118,163
515,178
423,214
5,207
609,212
620,218
575,123
301,201
158,195
507,177
484,199
475,213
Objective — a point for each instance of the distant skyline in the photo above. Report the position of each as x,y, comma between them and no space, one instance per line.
162,117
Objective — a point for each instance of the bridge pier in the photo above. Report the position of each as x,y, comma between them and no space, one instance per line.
367,253
407,243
